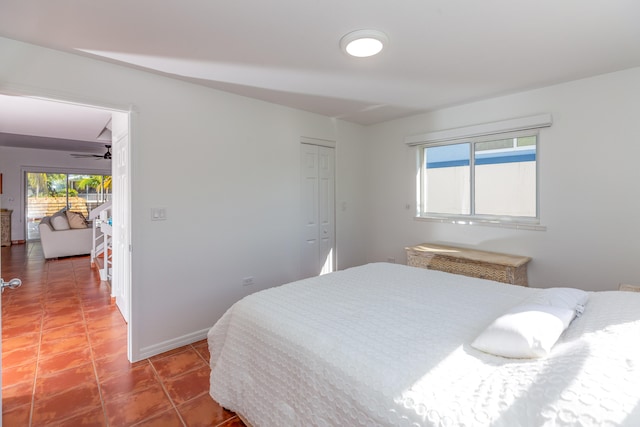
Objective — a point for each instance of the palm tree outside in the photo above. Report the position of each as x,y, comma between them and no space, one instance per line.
48,193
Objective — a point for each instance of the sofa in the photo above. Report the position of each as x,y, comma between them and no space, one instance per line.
65,234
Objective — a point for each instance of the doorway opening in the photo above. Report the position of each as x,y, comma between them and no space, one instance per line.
64,178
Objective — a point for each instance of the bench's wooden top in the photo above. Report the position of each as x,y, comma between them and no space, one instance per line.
471,254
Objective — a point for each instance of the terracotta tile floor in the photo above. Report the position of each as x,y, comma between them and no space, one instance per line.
64,356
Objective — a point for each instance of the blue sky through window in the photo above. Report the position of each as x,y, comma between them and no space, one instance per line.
458,155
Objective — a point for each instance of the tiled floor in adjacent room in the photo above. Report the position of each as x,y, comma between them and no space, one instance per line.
64,356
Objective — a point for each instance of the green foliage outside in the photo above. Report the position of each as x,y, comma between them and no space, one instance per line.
50,192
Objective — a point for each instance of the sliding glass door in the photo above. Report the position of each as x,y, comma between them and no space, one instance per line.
47,192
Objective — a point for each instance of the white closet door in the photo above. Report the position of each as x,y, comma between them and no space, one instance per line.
326,209
318,209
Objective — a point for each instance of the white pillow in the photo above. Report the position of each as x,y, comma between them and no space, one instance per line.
531,328
570,298
59,222
526,331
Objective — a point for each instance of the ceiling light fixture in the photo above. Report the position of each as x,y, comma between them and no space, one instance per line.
363,43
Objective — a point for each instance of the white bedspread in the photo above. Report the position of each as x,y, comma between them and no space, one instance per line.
386,344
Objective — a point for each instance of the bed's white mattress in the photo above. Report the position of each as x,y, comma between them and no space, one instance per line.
385,344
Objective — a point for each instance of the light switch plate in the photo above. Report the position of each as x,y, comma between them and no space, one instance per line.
158,214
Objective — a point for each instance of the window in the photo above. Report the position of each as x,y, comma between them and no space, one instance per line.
48,192
485,178
485,173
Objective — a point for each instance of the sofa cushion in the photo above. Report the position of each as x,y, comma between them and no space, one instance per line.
60,222
76,220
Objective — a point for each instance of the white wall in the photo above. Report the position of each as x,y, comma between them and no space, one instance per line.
13,161
225,168
589,179
351,185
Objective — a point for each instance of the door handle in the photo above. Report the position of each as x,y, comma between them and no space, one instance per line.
11,284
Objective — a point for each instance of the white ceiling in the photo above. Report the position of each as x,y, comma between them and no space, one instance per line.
441,52
35,123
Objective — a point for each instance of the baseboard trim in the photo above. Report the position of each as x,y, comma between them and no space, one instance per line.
156,349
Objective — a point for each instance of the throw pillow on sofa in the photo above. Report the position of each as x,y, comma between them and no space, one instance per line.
76,220
60,222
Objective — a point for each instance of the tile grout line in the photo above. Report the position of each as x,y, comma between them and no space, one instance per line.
226,421
166,392
91,353
37,367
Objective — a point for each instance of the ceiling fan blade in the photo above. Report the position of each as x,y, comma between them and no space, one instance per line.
105,156
80,156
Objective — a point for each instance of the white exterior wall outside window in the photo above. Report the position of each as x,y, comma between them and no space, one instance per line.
507,189
496,194
446,190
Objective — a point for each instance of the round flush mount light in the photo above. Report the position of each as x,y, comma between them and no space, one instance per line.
363,43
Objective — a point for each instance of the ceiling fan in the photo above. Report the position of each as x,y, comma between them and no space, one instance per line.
106,156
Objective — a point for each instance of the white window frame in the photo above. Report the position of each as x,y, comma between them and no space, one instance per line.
528,126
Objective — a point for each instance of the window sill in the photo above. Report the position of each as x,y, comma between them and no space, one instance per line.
486,223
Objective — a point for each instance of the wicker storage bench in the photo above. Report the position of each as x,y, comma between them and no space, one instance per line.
629,288
469,262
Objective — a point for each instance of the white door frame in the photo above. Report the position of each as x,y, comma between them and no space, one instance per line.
48,95
0,331
121,213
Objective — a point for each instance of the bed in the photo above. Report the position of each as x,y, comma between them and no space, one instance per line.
391,345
